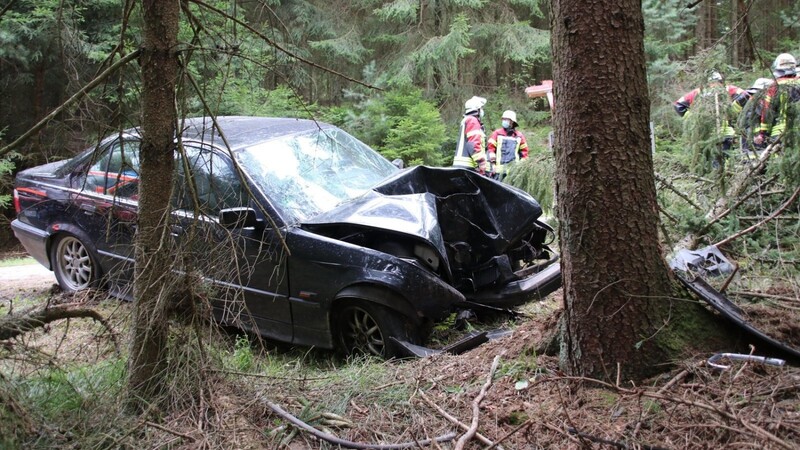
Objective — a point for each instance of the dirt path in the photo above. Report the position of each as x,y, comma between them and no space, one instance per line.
28,280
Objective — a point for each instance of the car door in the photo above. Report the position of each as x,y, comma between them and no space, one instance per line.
105,204
245,266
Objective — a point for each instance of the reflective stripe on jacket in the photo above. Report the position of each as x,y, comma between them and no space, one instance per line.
470,149
508,147
775,103
683,104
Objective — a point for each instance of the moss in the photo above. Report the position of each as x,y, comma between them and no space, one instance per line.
691,327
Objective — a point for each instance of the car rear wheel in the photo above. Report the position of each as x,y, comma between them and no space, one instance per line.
74,264
367,328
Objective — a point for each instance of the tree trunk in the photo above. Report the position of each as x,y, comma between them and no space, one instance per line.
742,52
618,293
705,31
150,329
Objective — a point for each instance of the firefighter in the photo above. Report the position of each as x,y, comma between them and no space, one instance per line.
470,152
506,145
719,109
785,90
752,111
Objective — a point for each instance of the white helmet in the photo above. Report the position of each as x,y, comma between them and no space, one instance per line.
784,64
715,76
510,115
474,104
761,83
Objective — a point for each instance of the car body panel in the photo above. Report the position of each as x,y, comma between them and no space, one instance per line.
420,241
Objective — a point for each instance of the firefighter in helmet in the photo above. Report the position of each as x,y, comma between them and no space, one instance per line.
506,145
785,90
471,148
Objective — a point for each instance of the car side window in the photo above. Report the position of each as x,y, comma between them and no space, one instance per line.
212,178
116,172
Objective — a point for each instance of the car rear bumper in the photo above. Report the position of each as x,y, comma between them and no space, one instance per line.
34,240
534,287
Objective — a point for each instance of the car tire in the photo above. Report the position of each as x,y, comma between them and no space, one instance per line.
367,328
74,264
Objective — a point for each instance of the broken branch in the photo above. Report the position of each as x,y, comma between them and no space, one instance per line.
13,325
750,229
473,428
350,444
449,417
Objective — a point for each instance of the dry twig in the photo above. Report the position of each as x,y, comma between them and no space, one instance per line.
449,417
476,407
350,444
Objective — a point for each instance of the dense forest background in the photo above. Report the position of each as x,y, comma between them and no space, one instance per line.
394,73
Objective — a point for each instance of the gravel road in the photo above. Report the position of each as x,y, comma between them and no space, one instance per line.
24,280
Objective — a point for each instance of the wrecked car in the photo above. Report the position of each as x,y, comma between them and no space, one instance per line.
306,235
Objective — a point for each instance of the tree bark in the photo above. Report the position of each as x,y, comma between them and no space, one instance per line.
705,31
159,118
618,292
742,52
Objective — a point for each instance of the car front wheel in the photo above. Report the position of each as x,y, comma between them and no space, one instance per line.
73,263
367,328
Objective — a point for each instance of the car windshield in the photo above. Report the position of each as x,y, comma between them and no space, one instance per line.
306,174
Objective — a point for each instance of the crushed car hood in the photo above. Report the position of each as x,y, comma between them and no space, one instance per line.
440,206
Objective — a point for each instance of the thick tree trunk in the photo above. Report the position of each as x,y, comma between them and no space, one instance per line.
153,258
618,292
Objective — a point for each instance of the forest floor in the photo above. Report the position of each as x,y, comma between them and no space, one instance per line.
70,377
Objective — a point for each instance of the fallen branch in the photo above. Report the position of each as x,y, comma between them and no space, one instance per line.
460,424
762,295
737,187
476,403
755,429
172,432
12,325
752,228
680,194
350,444
741,200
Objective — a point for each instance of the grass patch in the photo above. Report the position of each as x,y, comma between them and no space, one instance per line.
18,261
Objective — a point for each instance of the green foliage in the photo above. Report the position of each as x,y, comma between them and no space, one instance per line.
6,169
517,42
347,47
788,166
58,392
441,54
400,123
535,175
669,29
400,11
242,359
417,137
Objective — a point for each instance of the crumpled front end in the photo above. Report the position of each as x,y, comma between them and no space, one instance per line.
481,236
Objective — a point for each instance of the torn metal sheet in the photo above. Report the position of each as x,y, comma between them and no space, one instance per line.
466,343
707,261
732,312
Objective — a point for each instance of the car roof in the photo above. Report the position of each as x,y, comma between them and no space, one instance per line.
243,131
240,131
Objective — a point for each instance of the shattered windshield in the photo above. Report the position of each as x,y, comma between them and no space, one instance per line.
306,174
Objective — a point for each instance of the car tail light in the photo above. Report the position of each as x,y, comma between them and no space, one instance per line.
17,206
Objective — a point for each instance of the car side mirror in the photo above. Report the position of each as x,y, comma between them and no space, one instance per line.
241,217
398,163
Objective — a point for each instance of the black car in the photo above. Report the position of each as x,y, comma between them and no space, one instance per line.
328,243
